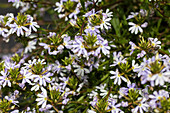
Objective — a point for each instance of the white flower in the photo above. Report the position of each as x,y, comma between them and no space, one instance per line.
18,29
30,46
160,78
26,76
42,98
107,14
135,28
142,106
35,87
59,6
80,70
4,79
117,77
33,25
105,23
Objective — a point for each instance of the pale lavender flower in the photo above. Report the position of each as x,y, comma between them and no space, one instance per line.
78,47
144,25
133,14
57,67
36,87
67,42
92,30
133,47
90,111
103,47
65,81
15,111
65,101
10,64
123,92
113,106
142,69
139,55
43,78
124,104
26,76
92,12
103,91
94,102
13,0
47,108
46,46
118,58
30,63
143,12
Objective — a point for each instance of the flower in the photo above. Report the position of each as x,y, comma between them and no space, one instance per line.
18,29
80,70
133,14
59,6
117,77
104,47
4,79
107,14
42,98
102,90
26,76
118,58
105,23
30,63
139,55
155,42
92,29
30,46
3,32
43,78
114,107
159,95
11,99
135,28
160,78
141,106
74,13
33,25
79,48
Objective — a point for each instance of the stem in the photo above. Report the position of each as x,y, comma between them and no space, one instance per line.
53,106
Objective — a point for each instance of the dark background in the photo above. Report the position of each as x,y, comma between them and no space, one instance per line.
11,46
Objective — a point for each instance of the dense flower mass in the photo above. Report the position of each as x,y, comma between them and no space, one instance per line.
89,56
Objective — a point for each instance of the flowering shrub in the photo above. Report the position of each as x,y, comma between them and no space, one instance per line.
90,56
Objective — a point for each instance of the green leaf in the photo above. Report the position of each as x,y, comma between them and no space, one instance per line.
82,4
116,25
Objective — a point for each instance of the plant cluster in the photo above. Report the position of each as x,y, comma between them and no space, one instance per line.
89,56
